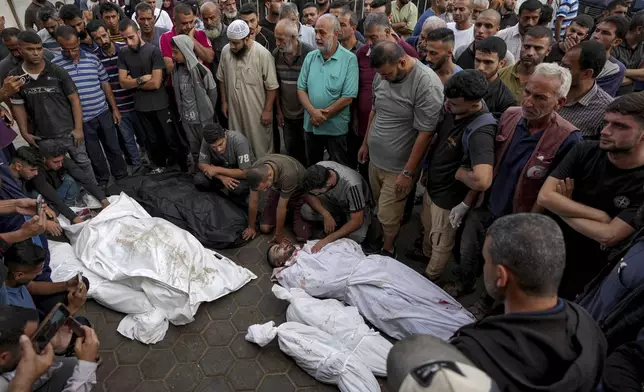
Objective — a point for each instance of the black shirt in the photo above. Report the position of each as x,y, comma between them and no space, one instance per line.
508,20
266,24
555,55
599,184
45,100
498,97
448,155
266,38
141,63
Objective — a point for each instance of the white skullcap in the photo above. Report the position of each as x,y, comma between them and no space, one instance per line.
238,30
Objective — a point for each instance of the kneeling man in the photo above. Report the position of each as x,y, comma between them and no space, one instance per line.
337,195
223,159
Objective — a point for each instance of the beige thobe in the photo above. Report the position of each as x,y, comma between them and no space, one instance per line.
247,80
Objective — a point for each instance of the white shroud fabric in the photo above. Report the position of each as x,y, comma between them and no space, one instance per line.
319,354
394,298
145,267
342,322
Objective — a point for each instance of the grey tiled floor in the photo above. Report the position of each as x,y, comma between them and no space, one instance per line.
210,354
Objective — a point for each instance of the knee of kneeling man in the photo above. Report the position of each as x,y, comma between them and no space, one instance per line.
266,229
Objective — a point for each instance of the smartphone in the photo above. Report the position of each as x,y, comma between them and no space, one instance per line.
39,202
79,275
50,326
75,326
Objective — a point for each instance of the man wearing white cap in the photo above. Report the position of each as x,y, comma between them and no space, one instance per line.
248,87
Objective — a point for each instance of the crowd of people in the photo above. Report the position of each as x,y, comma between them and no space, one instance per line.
326,124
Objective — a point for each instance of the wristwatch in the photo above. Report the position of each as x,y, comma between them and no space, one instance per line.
407,174
139,81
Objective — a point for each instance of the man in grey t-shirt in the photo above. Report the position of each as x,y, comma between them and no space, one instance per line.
337,193
223,159
407,101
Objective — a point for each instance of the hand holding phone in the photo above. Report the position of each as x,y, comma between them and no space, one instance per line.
50,326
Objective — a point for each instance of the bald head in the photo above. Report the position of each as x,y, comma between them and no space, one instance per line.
328,21
486,25
211,17
287,28
492,15
433,23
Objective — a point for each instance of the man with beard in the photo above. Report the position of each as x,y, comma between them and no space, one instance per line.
184,23
530,142
95,92
248,87
400,131
586,101
273,15
129,124
31,13
289,57
310,14
440,48
404,15
437,8
631,53
561,347
215,30
305,33
377,29
72,16
420,42
486,25
48,104
323,7
110,16
262,36
597,190
326,89
141,68
489,61
21,368
230,11
460,162
529,14
508,16
49,20
150,32
535,48
462,25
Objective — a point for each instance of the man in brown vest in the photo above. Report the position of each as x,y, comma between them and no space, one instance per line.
597,191
531,140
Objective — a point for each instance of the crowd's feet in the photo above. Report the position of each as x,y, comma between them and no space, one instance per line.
393,253
457,289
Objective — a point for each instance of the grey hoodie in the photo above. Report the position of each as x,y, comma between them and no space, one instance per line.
203,83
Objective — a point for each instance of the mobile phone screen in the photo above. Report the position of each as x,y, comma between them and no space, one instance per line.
50,326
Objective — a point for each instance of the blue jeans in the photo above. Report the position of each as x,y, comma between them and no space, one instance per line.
129,127
69,190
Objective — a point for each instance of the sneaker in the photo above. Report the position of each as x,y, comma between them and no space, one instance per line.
393,255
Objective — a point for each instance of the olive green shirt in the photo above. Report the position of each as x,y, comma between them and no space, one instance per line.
510,77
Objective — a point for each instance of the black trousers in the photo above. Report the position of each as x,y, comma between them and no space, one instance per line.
335,145
162,141
294,139
100,135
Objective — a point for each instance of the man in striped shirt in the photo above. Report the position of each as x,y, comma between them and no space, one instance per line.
94,90
129,126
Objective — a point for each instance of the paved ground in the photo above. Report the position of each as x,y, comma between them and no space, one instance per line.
210,354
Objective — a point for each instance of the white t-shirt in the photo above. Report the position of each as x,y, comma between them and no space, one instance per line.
461,37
